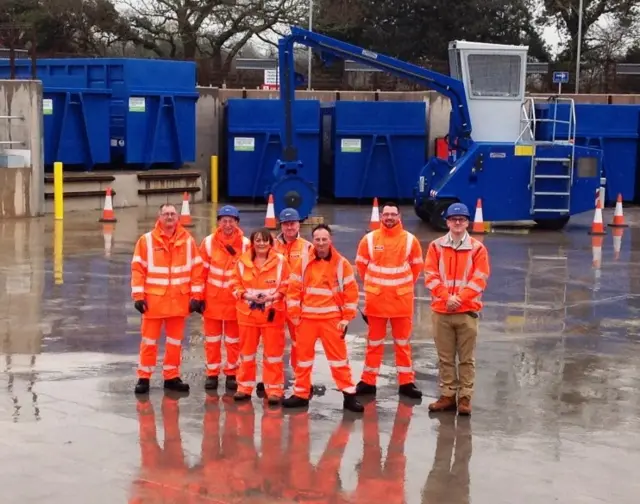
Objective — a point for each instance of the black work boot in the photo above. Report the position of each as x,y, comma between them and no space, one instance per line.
363,388
351,403
410,390
231,383
176,384
211,383
142,387
295,402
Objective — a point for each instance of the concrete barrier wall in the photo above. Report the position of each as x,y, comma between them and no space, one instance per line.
21,150
210,114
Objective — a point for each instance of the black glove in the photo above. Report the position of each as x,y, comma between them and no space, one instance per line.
196,306
141,306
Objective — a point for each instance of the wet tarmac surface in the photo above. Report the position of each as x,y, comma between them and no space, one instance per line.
556,409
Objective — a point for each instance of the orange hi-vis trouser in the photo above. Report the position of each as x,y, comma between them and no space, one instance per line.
401,328
273,359
163,471
293,357
334,346
151,327
215,331
377,483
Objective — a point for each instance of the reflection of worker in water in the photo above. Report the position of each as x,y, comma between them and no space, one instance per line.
322,300
456,271
166,285
306,483
259,284
163,471
389,260
446,482
220,252
378,483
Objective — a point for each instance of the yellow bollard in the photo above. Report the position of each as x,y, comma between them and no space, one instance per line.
214,179
58,195
58,255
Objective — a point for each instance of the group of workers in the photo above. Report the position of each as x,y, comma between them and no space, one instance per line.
250,289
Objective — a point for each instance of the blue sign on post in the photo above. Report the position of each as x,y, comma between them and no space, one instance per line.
560,77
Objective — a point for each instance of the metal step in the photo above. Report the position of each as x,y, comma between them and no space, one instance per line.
553,176
537,193
552,159
550,210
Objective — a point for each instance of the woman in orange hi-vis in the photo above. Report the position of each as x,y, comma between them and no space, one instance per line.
259,284
166,285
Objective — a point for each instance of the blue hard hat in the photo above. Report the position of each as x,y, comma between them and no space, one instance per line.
457,209
229,211
289,215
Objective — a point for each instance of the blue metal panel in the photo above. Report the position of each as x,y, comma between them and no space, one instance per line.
255,132
161,131
493,172
613,128
76,128
380,148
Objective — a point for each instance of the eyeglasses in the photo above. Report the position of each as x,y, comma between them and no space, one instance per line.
457,220
168,214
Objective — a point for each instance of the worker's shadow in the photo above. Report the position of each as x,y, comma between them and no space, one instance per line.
449,482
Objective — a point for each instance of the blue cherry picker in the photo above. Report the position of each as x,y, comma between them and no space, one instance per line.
519,159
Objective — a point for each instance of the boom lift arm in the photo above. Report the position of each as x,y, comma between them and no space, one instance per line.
460,121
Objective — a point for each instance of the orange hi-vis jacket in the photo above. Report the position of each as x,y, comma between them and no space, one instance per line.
322,289
293,251
390,262
272,278
166,272
218,266
462,271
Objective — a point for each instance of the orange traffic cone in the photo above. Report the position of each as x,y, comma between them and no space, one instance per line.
108,214
597,227
618,217
478,220
185,213
270,218
374,222
617,242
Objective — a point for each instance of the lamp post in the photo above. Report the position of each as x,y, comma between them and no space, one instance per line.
310,52
579,47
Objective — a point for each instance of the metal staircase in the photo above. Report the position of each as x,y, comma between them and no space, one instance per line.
552,139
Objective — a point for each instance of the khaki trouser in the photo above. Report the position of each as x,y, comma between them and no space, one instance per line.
453,334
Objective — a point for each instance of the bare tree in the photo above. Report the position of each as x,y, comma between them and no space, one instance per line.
215,28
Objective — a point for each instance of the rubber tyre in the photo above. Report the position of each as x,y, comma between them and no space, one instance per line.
438,222
423,213
552,224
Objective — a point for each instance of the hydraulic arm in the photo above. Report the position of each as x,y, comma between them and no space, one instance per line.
460,122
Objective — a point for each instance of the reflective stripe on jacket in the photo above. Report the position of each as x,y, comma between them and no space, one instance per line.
271,278
322,289
218,265
166,272
390,262
293,251
463,271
